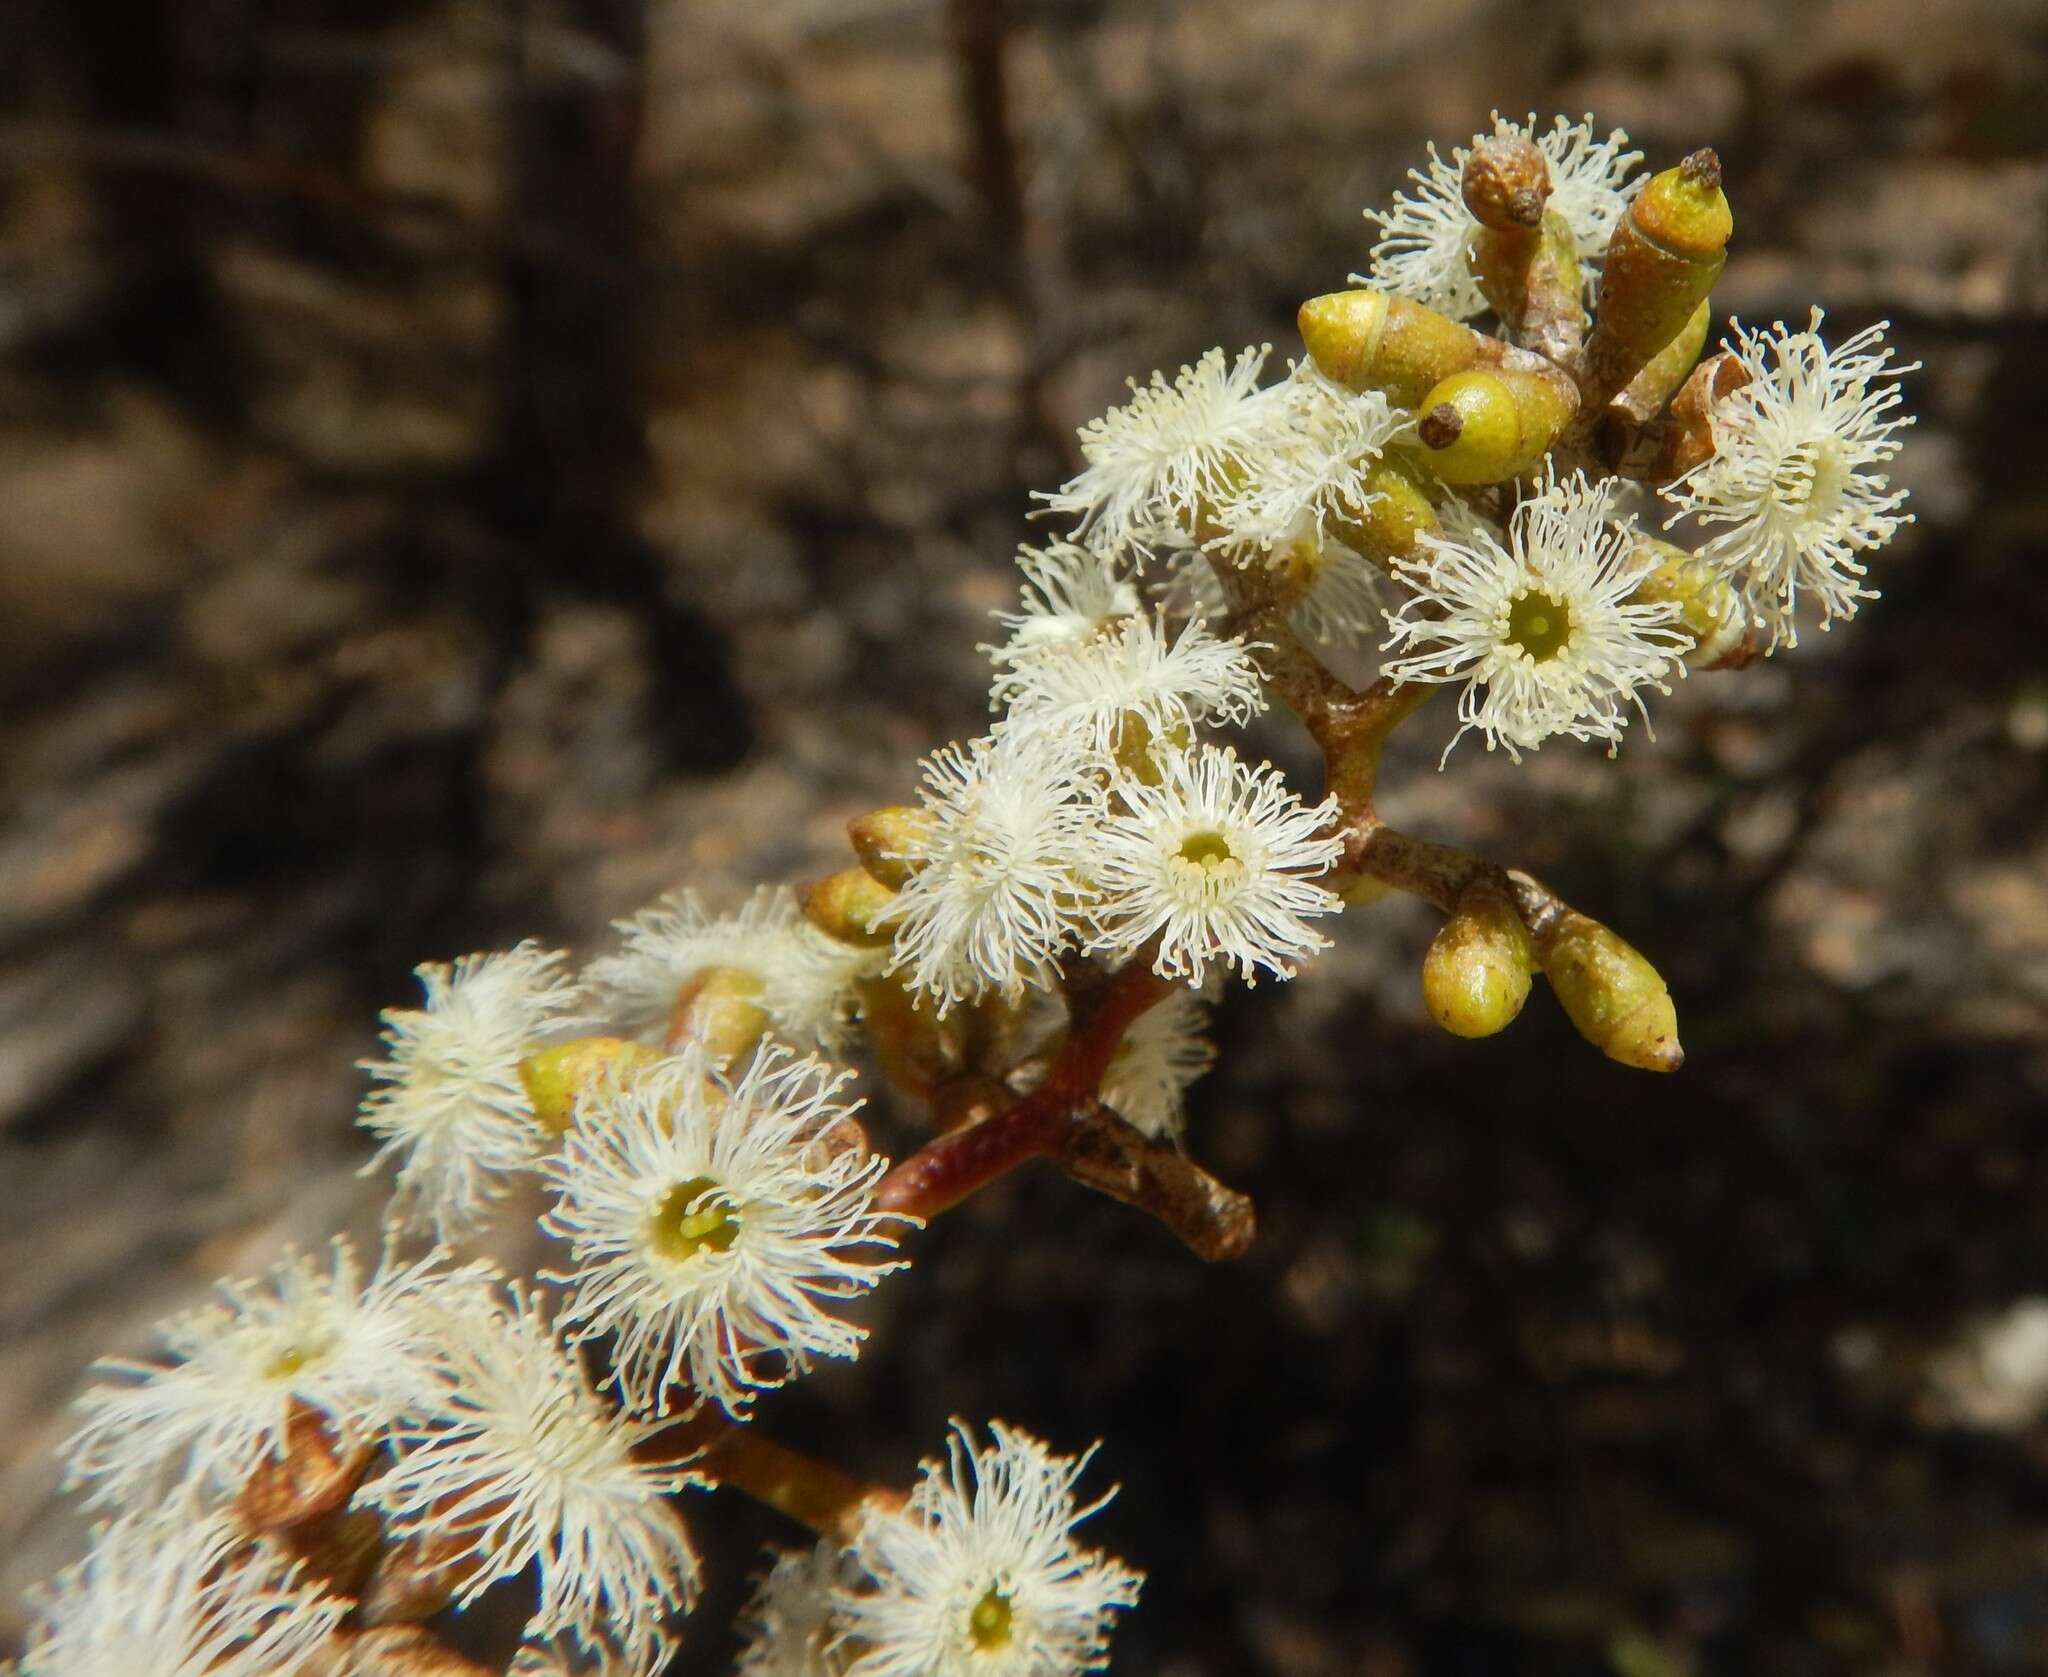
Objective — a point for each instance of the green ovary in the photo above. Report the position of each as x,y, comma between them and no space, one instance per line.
292,1359
1206,849
989,1623
1540,624
693,1217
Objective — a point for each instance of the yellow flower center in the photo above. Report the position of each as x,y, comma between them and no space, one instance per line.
1811,478
1540,624
1206,850
694,1216
989,1623
292,1358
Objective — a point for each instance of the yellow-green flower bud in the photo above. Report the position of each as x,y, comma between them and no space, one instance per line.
886,840
1708,607
1663,259
555,1075
1368,340
1397,511
719,1009
1476,975
1665,371
844,906
1615,998
1491,424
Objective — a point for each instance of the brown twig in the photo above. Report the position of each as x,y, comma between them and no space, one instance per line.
951,1166
1214,1221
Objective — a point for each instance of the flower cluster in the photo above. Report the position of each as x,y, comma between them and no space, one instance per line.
1031,949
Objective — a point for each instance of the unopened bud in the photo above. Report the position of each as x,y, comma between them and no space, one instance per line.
1663,259
1368,340
1477,973
1616,999
720,1010
846,905
1709,609
1491,423
889,842
311,1474
1394,515
1665,371
556,1075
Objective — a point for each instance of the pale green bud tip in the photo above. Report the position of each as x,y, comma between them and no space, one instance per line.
1615,998
555,1075
846,906
1477,973
1340,331
888,840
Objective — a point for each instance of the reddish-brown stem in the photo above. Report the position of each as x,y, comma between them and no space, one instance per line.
951,1166
1441,874
819,1495
825,1498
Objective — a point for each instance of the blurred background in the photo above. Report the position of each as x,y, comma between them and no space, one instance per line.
469,465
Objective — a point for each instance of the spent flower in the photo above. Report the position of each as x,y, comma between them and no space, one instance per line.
174,1596
521,1464
304,1335
803,980
452,1107
1000,889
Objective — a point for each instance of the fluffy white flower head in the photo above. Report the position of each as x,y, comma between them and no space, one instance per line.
980,1576
713,1222
1170,452
1310,458
1218,860
791,1626
453,1110
522,1464
1164,1052
1541,630
1000,890
1132,686
299,1336
803,979
1793,477
177,1598
1424,235
1071,594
